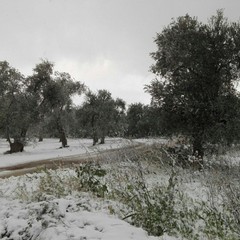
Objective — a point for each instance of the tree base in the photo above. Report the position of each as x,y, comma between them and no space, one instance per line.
15,147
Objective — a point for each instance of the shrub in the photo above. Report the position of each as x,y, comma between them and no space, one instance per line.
89,175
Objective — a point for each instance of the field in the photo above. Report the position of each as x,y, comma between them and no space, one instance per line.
122,190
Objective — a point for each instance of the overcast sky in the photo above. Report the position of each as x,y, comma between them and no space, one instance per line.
103,43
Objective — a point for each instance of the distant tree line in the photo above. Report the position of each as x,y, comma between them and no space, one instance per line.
28,103
197,67
40,105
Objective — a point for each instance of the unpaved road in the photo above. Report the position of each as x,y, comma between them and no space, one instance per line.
53,163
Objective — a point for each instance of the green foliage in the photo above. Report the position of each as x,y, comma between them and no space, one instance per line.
101,115
86,177
219,224
152,210
165,207
26,102
142,121
49,184
164,210
198,65
89,178
58,100
12,100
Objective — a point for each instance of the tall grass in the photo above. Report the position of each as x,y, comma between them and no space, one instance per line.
153,192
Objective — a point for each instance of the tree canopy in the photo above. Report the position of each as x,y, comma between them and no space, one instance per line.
197,66
100,115
26,102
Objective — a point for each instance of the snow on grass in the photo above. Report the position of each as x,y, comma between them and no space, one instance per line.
55,204
62,219
76,216
72,217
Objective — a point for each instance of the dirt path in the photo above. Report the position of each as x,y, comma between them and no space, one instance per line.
53,163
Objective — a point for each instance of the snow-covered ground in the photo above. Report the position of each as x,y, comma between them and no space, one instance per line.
62,219
28,211
80,217
50,148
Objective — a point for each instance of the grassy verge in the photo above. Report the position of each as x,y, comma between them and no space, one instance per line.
151,192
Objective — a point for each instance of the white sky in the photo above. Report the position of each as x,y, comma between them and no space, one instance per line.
103,43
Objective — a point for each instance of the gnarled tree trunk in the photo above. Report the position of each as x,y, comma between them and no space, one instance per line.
23,135
62,134
95,137
102,140
94,130
16,146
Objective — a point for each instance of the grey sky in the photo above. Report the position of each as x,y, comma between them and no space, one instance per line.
104,43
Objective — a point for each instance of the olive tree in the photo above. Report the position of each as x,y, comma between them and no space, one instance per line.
59,100
101,115
197,65
12,100
52,94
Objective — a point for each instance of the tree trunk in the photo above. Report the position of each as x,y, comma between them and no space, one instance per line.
94,130
8,135
62,133
16,146
41,128
95,138
102,140
40,133
63,138
23,134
